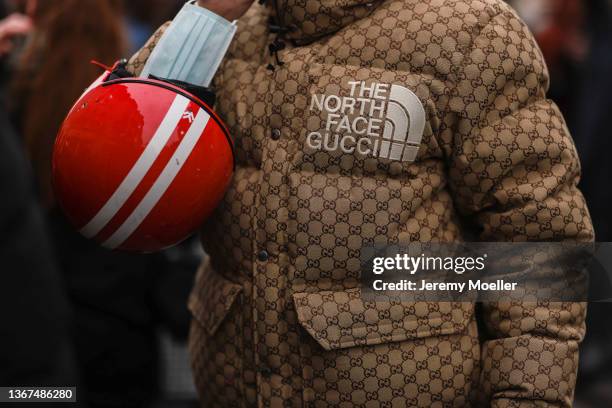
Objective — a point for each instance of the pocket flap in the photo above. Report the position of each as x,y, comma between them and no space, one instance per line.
212,297
343,319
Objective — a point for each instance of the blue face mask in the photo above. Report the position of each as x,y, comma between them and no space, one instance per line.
192,47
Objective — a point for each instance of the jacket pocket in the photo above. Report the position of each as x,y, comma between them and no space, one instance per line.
212,298
343,319
392,352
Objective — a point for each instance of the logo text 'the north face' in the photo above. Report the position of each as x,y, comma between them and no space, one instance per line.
379,120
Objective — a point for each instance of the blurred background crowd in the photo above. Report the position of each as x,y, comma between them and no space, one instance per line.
115,324
72,312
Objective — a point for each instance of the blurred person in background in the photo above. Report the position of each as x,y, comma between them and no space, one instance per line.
119,300
114,326
591,124
12,27
55,66
35,345
592,115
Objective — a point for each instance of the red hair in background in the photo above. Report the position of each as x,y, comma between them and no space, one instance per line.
55,68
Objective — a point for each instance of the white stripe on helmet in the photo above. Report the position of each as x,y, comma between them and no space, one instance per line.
162,183
140,168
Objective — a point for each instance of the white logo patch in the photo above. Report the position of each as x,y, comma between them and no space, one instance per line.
379,120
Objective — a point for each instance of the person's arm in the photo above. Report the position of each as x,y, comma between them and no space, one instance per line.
514,172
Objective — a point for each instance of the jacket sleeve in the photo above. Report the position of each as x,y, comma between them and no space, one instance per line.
513,171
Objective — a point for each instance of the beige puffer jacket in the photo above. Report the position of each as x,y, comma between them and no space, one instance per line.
388,122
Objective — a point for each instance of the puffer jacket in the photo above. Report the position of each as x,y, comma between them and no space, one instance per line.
382,122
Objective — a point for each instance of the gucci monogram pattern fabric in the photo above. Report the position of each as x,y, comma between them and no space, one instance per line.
278,316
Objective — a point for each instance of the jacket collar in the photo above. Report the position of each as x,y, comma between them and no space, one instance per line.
304,21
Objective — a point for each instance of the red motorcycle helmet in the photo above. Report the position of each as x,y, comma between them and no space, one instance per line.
139,164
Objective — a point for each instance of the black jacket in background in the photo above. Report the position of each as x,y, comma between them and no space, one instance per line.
34,312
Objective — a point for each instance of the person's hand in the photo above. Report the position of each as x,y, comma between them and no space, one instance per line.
13,26
228,9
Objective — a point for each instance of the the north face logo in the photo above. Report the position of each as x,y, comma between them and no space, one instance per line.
379,120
